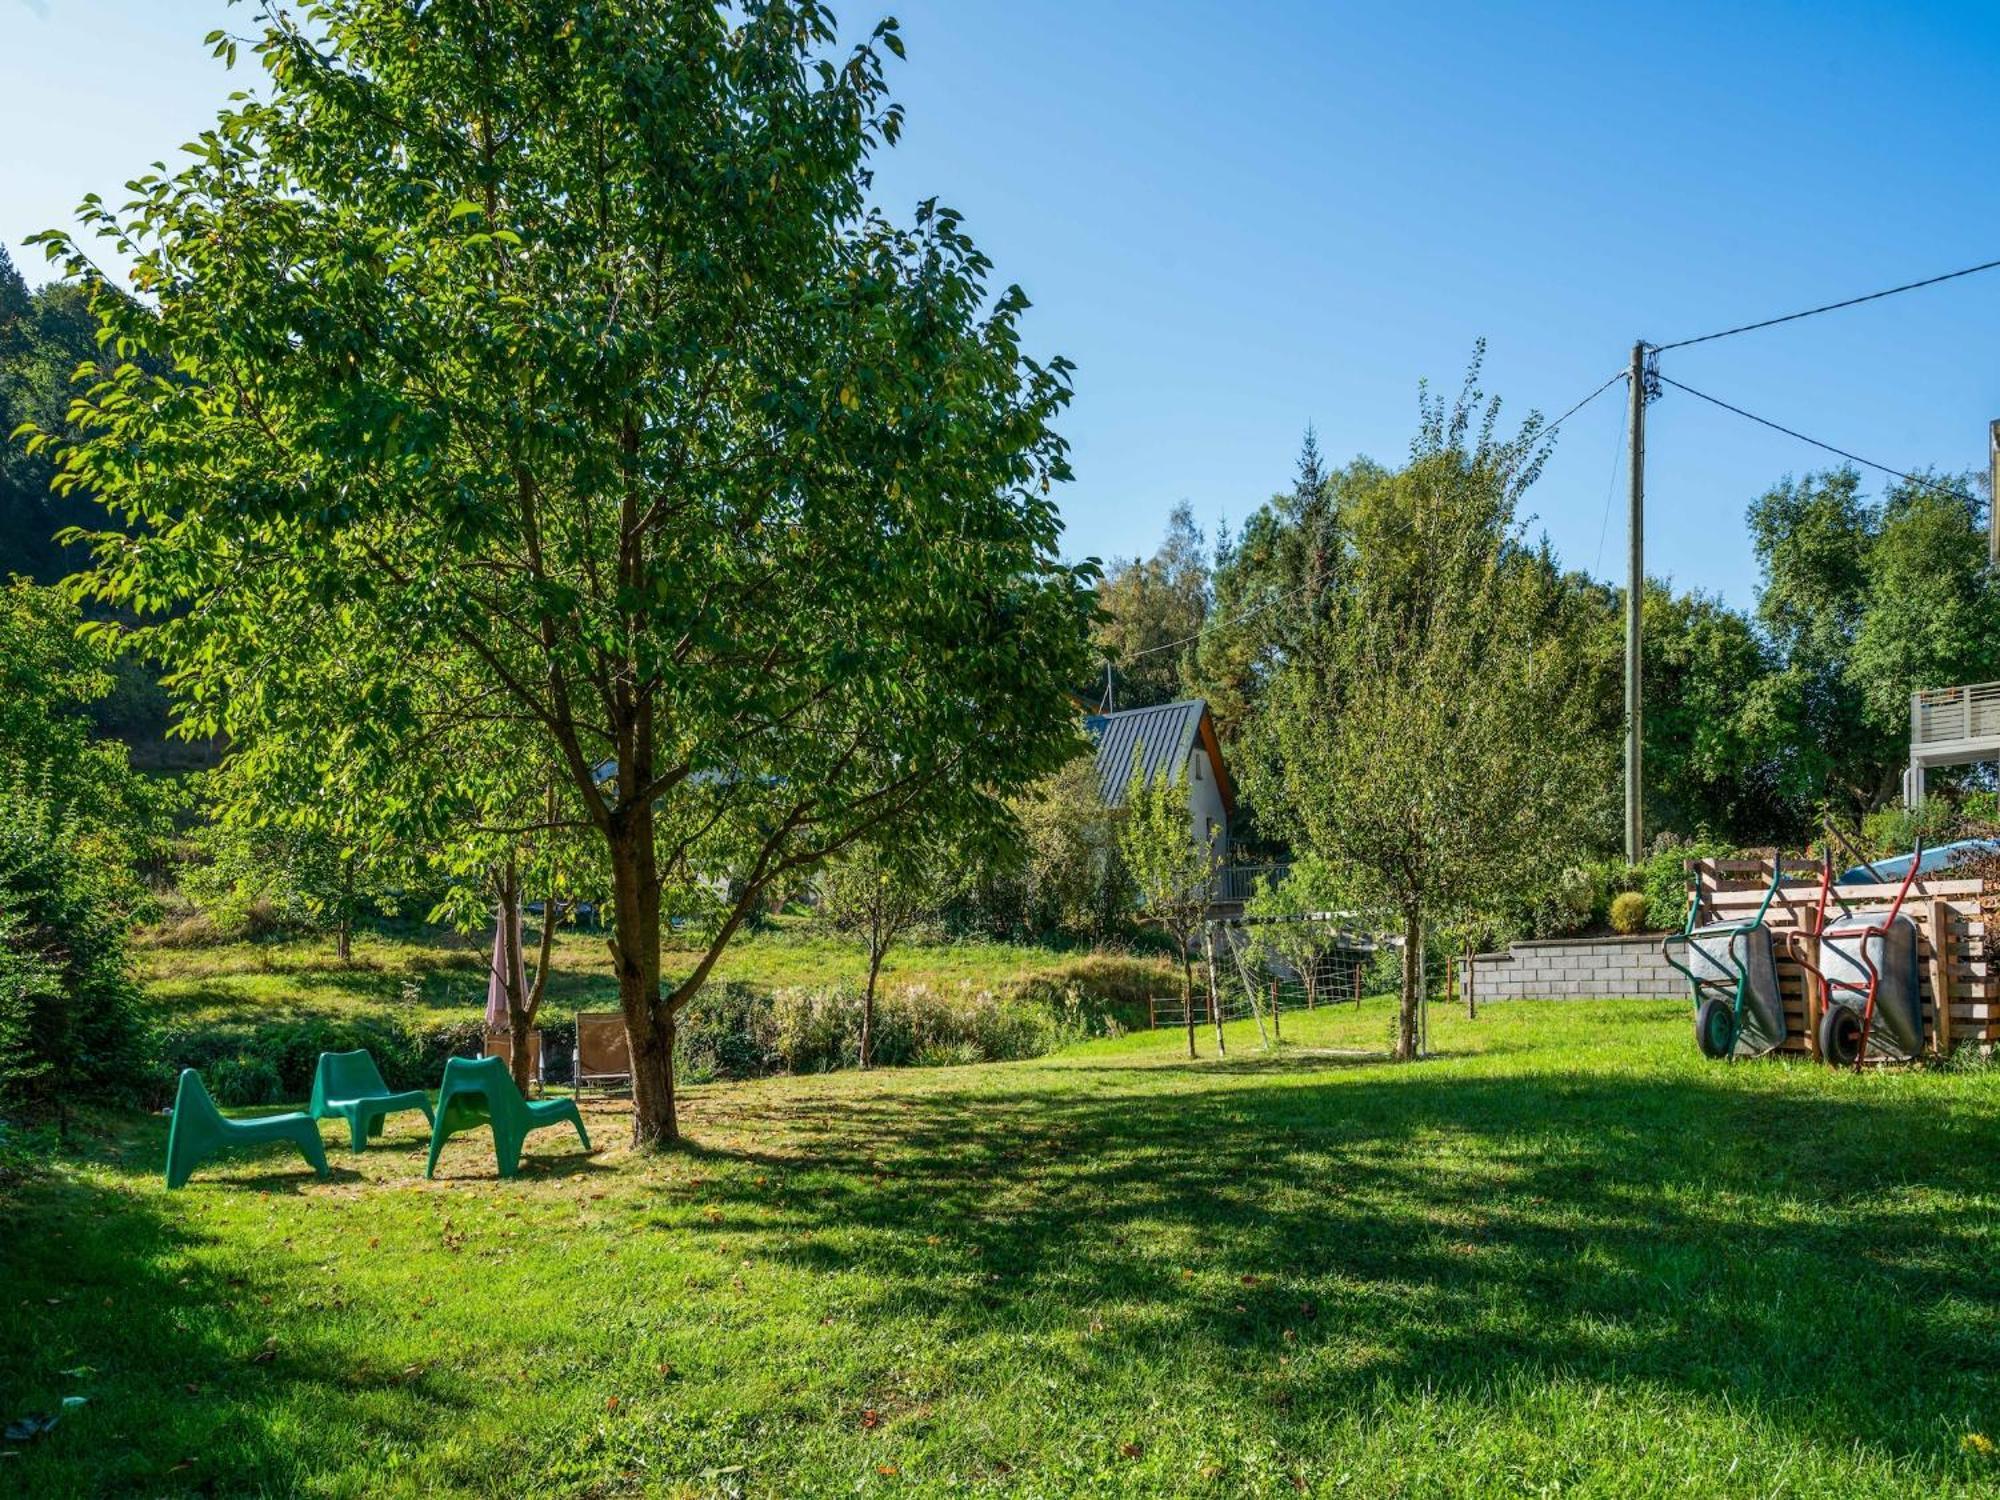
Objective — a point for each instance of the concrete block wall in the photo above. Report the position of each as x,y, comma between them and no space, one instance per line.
1607,968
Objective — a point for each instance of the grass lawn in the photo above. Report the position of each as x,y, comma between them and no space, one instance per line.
429,974
1569,1257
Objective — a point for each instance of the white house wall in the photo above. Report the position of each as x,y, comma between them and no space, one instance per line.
1205,802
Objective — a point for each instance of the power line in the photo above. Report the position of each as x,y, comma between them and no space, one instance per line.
1257,609
1617,375
1610,487
1811,312
1208,625
1815,442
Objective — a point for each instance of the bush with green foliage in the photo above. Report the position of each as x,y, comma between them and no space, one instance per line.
1628,912
1941,820
1665,880
1573,903
68,1004
819,1030
1061,876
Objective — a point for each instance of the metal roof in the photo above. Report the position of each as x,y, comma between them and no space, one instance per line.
1164,735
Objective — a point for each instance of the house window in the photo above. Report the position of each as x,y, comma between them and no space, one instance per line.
1195,762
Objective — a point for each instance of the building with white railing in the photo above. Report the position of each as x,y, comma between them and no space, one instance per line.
1951,727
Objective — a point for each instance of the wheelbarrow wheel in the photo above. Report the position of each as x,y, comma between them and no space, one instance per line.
1840,1036
1715,1027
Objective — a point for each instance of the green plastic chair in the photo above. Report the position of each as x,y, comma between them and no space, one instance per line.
348,1086
199,1131
480,1091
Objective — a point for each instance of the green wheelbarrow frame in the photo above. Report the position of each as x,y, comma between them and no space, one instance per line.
1736,986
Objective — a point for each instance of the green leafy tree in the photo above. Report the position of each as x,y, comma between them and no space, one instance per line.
1714,759
1932,615
876,891
1076,884
271,843
45,333
559,351
1864,604
1149,609
1172,870
1311,888
1272,585
51,683
1423,734
1054,872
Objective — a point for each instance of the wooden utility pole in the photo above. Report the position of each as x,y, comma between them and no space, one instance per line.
1993,495
1635,599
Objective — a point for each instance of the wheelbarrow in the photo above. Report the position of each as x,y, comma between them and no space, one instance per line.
1732,977
1867,977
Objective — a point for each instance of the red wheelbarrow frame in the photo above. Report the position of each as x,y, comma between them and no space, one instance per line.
1864,934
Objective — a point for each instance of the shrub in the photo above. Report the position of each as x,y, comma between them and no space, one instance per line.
67,999
819,1030
1572,904
247,1079
1628,912
728,1031
1666,880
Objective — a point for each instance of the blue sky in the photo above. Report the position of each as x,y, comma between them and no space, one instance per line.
1240,218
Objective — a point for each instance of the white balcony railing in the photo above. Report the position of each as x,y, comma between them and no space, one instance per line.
1955,716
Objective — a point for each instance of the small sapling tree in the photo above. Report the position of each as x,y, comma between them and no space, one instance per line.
1172,869
1287,935
1423,735
876,892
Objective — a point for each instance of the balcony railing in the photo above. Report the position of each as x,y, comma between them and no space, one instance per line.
1235,884
1955,716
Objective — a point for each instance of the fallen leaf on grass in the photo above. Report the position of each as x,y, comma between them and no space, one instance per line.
887,1471
1131,1450
870,1419
266,1354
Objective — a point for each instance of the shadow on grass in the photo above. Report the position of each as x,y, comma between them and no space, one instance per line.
1806,1257
185,1389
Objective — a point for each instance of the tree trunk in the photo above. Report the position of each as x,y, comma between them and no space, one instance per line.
1215,998
868,1009
343,937
514,983
1187,996
1413,957
635,904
